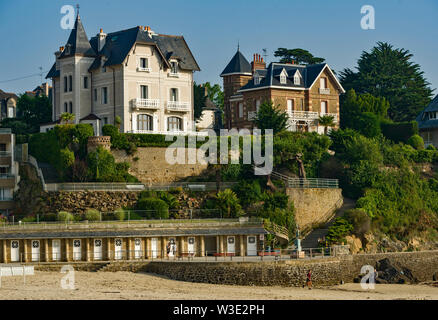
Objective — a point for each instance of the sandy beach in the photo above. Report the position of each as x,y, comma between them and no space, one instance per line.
133,286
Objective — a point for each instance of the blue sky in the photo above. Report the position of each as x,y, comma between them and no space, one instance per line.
31,32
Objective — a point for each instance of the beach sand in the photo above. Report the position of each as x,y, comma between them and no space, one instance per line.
127,285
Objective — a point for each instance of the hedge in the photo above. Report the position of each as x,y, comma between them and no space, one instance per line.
399,131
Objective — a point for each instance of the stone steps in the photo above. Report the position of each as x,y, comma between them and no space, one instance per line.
131,266
311,240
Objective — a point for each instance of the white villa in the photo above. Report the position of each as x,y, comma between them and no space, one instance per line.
143,77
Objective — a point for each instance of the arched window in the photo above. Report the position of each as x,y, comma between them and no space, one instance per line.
174,124
65,107
70,107
144,122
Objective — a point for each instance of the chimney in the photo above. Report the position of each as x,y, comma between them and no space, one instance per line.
257,63
101,38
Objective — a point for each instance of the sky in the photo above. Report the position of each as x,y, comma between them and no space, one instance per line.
31,31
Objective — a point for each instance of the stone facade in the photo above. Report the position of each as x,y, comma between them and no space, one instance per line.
314,206
149,165
95,142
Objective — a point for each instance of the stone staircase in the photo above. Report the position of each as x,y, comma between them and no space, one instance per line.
311,240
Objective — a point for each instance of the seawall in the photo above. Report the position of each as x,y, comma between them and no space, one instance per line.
330,271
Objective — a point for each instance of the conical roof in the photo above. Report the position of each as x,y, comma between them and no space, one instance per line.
78,43
238,64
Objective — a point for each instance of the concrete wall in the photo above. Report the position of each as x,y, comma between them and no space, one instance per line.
423,266
152,167
314,206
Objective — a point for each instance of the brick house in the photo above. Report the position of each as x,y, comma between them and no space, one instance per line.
305,92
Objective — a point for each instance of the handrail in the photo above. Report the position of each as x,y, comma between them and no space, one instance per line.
308,182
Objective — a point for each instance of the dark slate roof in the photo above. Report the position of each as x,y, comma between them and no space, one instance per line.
118,45
78,43
271,75
176,47
53,73
91,116
134,233
423,118
238,64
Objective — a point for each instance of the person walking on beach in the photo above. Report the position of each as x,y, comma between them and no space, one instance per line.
309,279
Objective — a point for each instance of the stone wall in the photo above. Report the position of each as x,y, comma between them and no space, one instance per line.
80,201
314,206
149,165
330,271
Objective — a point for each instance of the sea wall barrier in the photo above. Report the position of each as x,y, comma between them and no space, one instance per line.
331,271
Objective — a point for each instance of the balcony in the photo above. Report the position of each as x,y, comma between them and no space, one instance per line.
324,90
172,133
303,115
178,106
147,103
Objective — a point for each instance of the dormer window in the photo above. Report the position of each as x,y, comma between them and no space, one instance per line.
256,80
173,68
283,76
432,115
297,78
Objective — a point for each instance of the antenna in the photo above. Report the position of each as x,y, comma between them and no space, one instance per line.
265,54
41,74
77,8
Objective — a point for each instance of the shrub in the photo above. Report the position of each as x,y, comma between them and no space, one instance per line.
399,131
170,200
416,142
360,221
368,124
92,215
228,202
338,231
154,208
119,214
248,192
49,217
29,219
65,216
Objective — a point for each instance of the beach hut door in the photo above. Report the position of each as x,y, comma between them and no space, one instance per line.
97,249
15,251
154,242
191,246
118,249
231,245
251,246
77,252
137,248
56,250
35,250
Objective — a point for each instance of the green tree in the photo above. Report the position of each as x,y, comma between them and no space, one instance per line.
215,94
33,111
229,203
67,117
199,99
390,73
270,117
299,56
326,121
